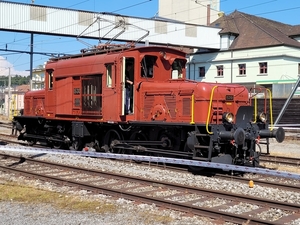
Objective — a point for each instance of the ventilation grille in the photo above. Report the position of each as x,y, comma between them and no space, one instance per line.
217,113
171,105
148,103
186,104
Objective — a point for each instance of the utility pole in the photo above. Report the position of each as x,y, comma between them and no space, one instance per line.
9,92
31,59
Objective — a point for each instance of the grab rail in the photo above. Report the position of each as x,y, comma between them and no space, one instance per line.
193,109
209,109
265,105
255,109
271,110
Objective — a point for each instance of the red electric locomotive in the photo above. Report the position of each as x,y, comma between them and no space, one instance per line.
91,100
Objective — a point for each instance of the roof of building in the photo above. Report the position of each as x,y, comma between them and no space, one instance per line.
23,88
253,31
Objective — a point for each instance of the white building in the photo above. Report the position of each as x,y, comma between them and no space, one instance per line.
253,51
38,79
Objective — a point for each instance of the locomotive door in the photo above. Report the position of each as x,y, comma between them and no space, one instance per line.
123,86
127,87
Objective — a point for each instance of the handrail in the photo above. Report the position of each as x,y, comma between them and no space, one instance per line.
260,90
271,109
255,109
193,108
209,109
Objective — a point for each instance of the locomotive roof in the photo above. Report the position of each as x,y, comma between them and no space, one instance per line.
105,49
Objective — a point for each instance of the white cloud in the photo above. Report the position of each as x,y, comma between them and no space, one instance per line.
4,68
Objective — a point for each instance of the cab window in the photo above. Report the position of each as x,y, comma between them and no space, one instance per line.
109,72
50,79
177,68
147,66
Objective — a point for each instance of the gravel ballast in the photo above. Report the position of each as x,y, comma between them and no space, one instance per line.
130,212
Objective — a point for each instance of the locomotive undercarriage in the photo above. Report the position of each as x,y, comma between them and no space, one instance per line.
38,129
225,144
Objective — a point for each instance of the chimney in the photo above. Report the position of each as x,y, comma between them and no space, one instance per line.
208,14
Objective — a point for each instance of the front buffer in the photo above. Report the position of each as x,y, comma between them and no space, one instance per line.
233,143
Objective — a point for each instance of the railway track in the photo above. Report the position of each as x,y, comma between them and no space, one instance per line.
210,203
6,124
263,180
291,161
265,158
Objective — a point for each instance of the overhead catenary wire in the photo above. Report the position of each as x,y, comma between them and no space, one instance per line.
174,31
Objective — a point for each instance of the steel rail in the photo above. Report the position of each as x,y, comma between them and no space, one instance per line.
185,207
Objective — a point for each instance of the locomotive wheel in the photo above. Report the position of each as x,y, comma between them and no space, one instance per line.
56,145
112,136
164,137
138,136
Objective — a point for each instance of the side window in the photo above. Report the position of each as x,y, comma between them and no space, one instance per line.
220,71
177,68
201,70
242,69
91,94
50,79
147,66
263,67
109,75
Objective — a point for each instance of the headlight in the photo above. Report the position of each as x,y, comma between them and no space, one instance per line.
228,117
262,117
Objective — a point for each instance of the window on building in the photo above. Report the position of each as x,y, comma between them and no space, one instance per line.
202,71
220,71
263,67
242,69
298,68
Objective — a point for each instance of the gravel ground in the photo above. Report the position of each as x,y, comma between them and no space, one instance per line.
129,212
35,214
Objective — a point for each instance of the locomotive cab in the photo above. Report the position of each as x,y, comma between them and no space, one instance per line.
154,69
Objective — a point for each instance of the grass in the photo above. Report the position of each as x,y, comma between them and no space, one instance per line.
12,191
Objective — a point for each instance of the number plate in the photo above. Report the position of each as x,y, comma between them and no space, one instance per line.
229,98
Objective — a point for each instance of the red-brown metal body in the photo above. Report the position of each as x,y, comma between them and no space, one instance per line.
159,98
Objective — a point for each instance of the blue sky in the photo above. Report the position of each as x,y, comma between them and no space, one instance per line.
285,11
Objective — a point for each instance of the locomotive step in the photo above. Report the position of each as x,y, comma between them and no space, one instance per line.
201,146
202,135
